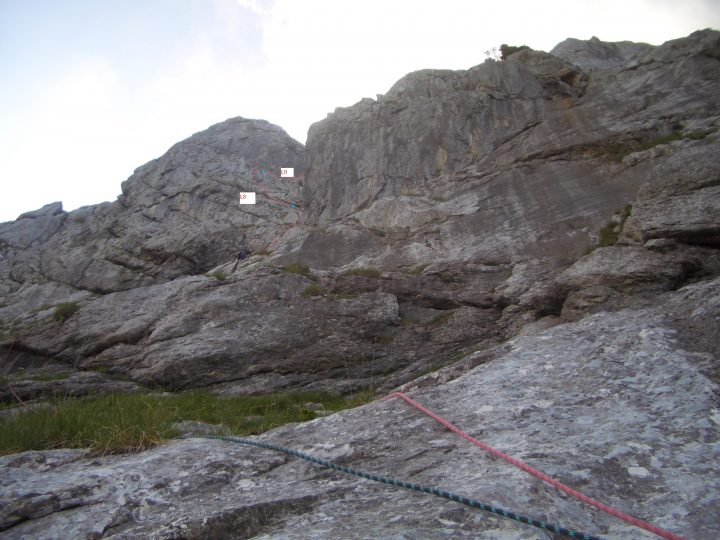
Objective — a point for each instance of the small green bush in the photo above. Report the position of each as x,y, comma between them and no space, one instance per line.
64,311
506,50
219,275
363,271
312,290
297,268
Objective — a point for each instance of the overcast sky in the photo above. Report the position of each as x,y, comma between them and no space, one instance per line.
92,89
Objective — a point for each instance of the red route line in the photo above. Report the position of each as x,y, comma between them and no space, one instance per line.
527,468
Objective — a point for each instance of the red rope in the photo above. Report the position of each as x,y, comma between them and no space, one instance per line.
527,468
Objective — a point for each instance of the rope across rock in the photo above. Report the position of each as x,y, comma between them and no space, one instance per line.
509,514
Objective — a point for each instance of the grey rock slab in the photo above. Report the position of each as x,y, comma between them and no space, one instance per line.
681,199
593,54
612,405
626,268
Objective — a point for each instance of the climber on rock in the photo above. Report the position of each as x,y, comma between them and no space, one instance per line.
242,254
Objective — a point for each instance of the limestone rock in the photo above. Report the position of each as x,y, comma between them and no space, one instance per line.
178,215
593,54
681,200
459,161
613,405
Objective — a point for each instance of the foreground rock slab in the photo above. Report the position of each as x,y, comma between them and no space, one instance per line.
621,406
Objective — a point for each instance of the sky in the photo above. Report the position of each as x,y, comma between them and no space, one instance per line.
92,89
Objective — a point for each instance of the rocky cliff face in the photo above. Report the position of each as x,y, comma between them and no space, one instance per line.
569,201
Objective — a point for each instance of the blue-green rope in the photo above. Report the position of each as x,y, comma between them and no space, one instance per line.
415,487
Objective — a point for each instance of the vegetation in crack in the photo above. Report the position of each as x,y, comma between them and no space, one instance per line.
313,290
64,311
609,234
363,271
219,275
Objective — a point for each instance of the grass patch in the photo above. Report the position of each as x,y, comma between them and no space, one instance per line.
312,290
363,271
219,275
406,321
441,319
609,234
100,368
50,377
297,268
64,311
384,340
120,423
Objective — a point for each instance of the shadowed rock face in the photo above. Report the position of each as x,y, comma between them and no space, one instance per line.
459,210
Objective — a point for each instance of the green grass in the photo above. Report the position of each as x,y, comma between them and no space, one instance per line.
297,268
609,234
312,290
120,423
363,271
50,377
64,311
219,275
